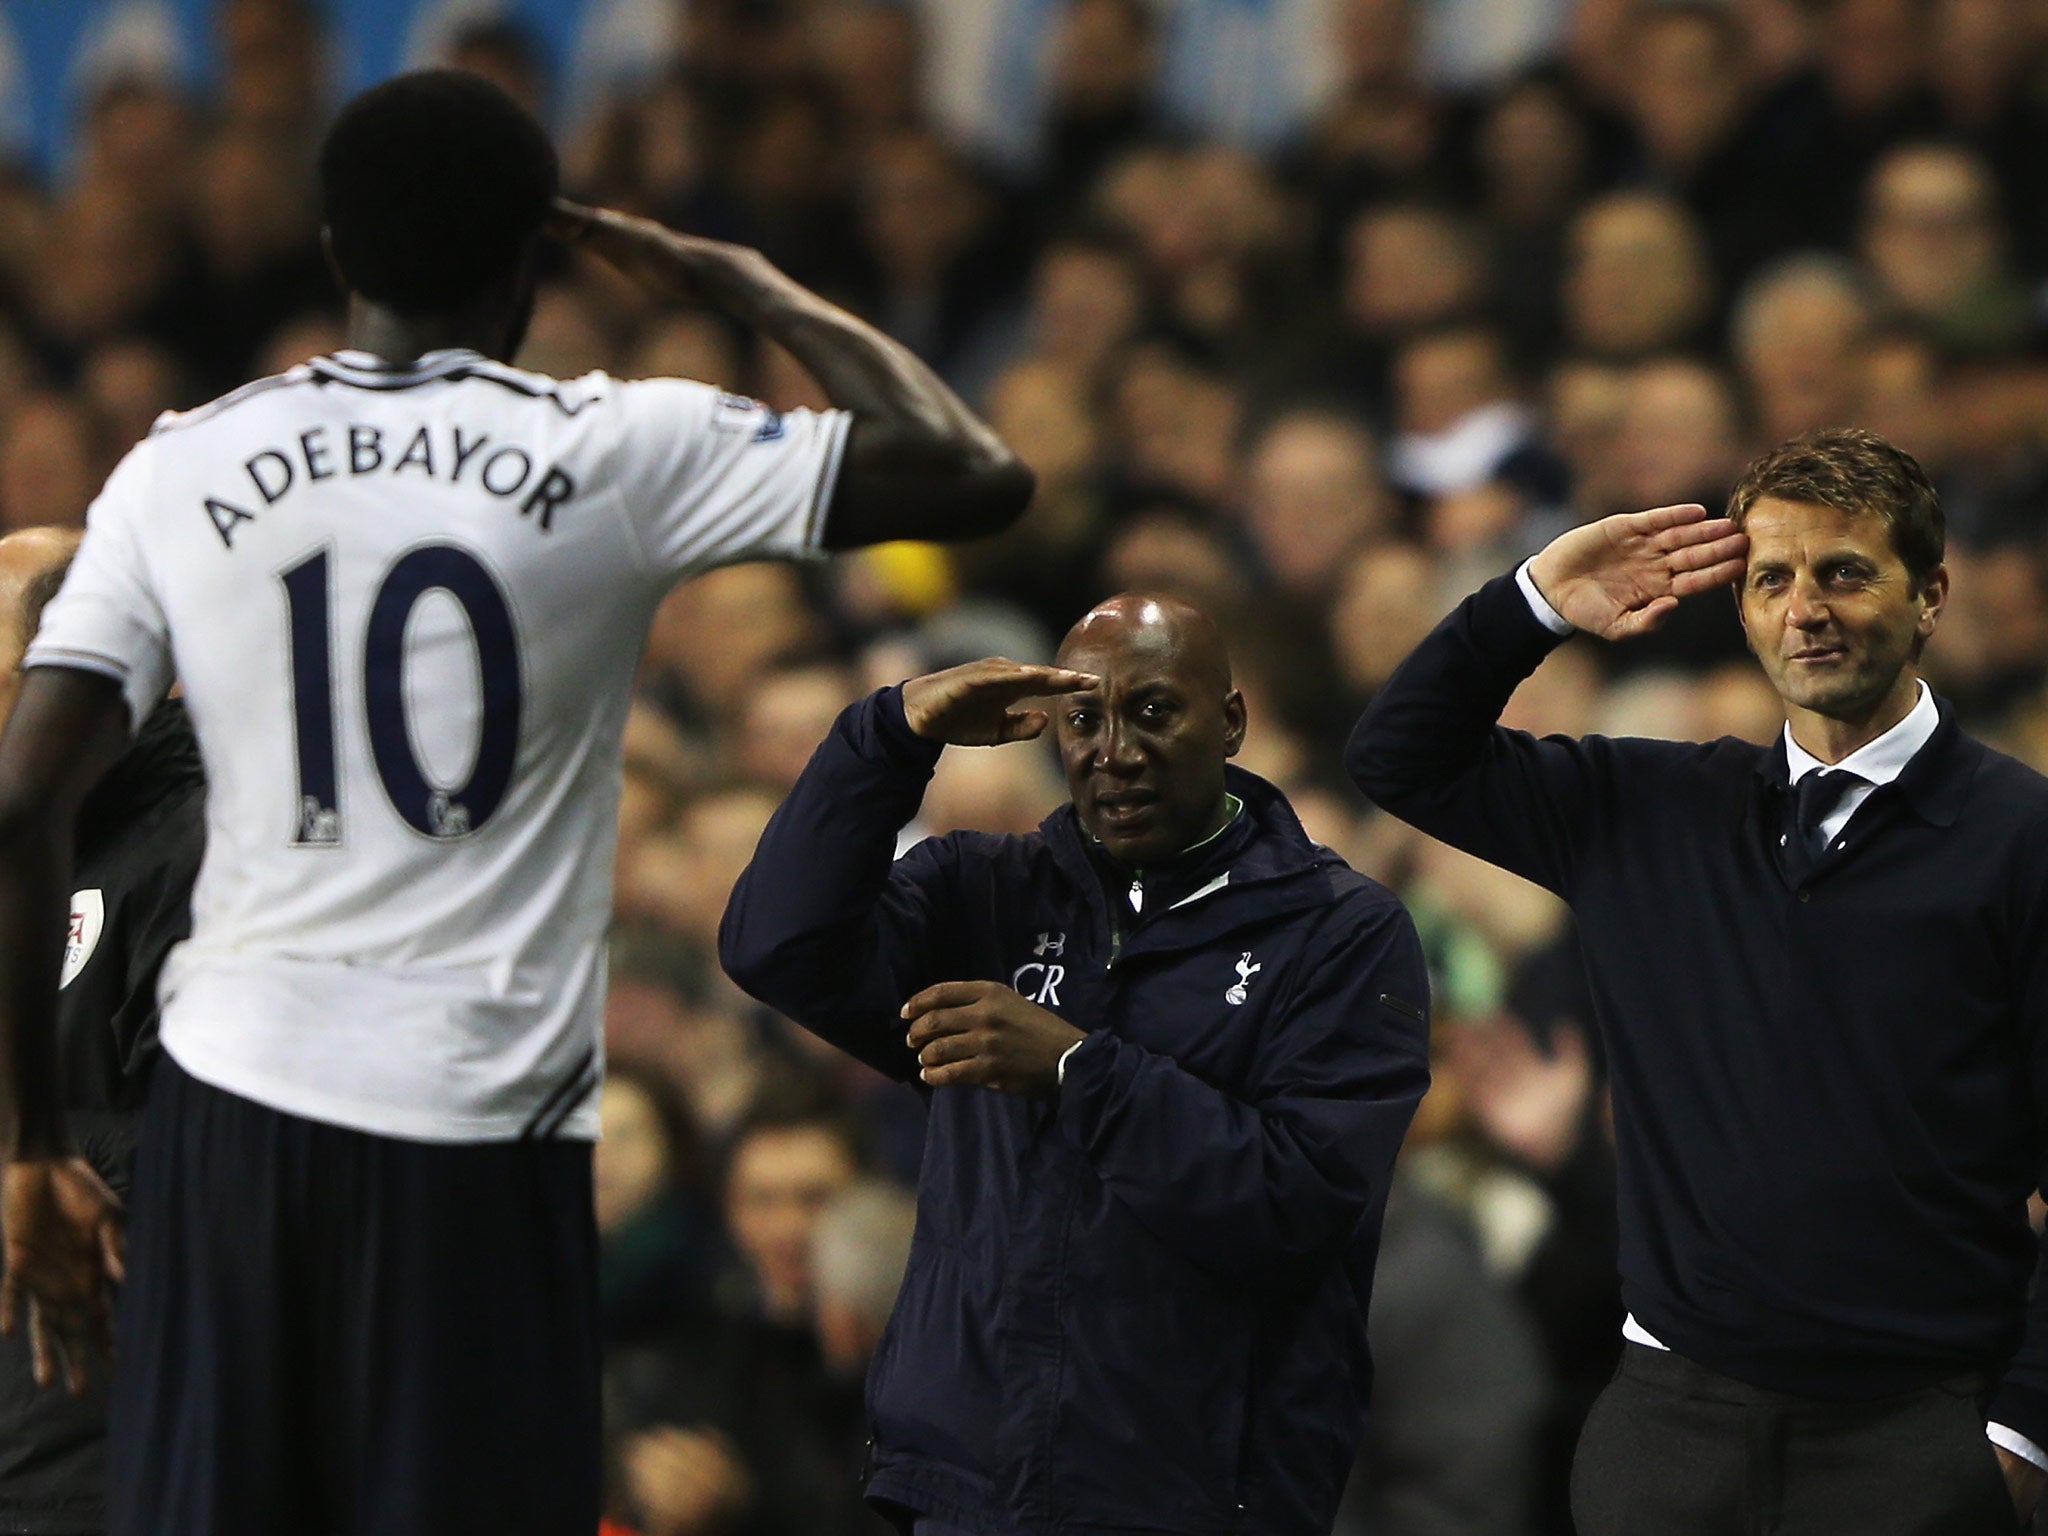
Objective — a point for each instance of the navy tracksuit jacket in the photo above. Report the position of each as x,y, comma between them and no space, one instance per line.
1138,1304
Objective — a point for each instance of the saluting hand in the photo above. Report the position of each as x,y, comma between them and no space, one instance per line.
63,1243
1623,575
685,269
984,1034
973,705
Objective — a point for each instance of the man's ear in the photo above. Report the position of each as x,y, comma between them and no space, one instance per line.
1233,722
1735,591
1933,598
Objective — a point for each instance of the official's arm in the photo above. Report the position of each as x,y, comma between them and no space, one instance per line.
67,729
822,925
825,925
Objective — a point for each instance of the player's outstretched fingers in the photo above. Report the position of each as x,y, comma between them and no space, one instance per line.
107,1233
568,221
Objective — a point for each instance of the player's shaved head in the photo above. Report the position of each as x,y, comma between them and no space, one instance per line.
433,185
1144,750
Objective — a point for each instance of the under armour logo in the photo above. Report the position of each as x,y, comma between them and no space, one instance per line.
1050,944
1245,971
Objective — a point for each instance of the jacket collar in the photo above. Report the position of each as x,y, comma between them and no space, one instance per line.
1935,784
1262,864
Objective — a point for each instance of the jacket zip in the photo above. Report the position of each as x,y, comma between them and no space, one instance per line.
1116,929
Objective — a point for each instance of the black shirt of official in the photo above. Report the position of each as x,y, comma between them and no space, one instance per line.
1827,1082
141,833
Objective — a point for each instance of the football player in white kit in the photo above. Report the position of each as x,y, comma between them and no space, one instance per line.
405,589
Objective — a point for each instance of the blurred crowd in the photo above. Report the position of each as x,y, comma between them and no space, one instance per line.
1319,362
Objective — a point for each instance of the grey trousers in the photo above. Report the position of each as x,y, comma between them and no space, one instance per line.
1673,1449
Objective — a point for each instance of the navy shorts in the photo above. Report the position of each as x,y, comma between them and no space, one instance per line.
329,1333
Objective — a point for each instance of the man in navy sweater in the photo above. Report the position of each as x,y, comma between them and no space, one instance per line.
1169,1048
1821,972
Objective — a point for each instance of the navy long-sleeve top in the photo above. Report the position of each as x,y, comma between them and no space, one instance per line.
1137,1304
1827,1094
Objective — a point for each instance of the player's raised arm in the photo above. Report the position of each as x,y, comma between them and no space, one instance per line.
919,463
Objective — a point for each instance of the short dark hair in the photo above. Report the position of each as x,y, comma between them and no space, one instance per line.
1857,472
433,186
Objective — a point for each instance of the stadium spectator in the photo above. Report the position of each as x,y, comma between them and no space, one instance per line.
859,1249
1937,251
1101,89
1638,281
1459,1388
52,457
1314,494
666,1015
1408,267
657,1253
733,1421
1798,332
1152,1239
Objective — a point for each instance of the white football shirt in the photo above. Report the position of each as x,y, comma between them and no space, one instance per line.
406,603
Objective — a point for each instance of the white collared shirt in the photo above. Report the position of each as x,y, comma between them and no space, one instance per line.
1875,762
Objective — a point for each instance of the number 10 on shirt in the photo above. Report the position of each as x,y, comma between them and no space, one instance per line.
433,810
